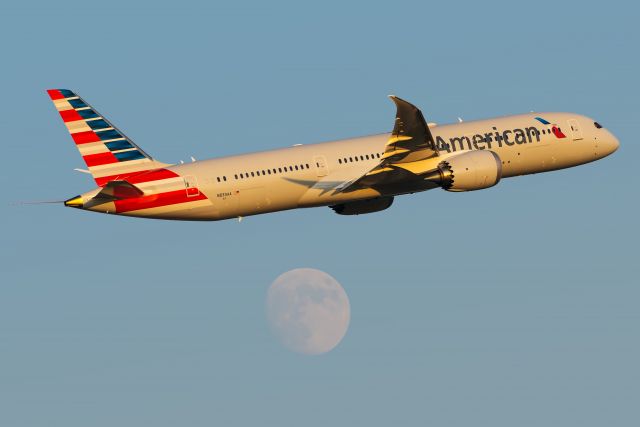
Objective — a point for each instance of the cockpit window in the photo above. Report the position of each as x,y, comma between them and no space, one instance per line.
598,125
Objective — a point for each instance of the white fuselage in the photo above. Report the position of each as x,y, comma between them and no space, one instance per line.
306,175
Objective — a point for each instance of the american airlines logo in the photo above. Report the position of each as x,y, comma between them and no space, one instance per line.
496,138
554,128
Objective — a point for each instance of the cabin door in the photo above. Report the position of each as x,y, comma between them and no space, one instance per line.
576,131
191,185
321,165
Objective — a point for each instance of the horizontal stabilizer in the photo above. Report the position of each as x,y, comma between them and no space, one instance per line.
118,190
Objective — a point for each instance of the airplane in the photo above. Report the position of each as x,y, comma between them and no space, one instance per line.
352,176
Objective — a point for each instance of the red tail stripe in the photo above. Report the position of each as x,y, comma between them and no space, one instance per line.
156,200
70,116
139,176
55,94
85,137
153,175
100,159
102,181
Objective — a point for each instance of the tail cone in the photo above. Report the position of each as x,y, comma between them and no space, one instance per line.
74,202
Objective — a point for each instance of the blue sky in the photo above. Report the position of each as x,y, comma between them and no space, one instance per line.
516,305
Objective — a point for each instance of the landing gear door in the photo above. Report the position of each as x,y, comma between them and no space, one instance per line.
191,185
576,131
321,165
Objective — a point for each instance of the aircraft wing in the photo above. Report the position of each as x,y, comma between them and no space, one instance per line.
409,145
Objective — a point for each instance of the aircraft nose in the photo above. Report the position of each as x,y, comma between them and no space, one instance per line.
611,144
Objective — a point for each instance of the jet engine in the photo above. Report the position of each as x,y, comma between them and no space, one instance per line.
363,206
469,171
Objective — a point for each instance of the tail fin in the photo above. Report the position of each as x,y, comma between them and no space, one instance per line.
107,152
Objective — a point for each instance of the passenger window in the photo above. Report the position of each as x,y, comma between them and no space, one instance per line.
296,167
280,170
339,161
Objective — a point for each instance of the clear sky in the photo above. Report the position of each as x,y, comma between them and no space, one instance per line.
517,305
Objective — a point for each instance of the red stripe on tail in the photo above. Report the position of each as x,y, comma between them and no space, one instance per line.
139,176
70,115
155,201
100,159
102,181
85,137
154,175
55,94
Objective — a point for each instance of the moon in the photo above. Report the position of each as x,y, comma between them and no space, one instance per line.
308,311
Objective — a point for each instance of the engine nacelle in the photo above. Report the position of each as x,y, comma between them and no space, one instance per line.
363,206
469,171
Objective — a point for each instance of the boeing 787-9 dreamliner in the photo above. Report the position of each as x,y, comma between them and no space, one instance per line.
352,176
